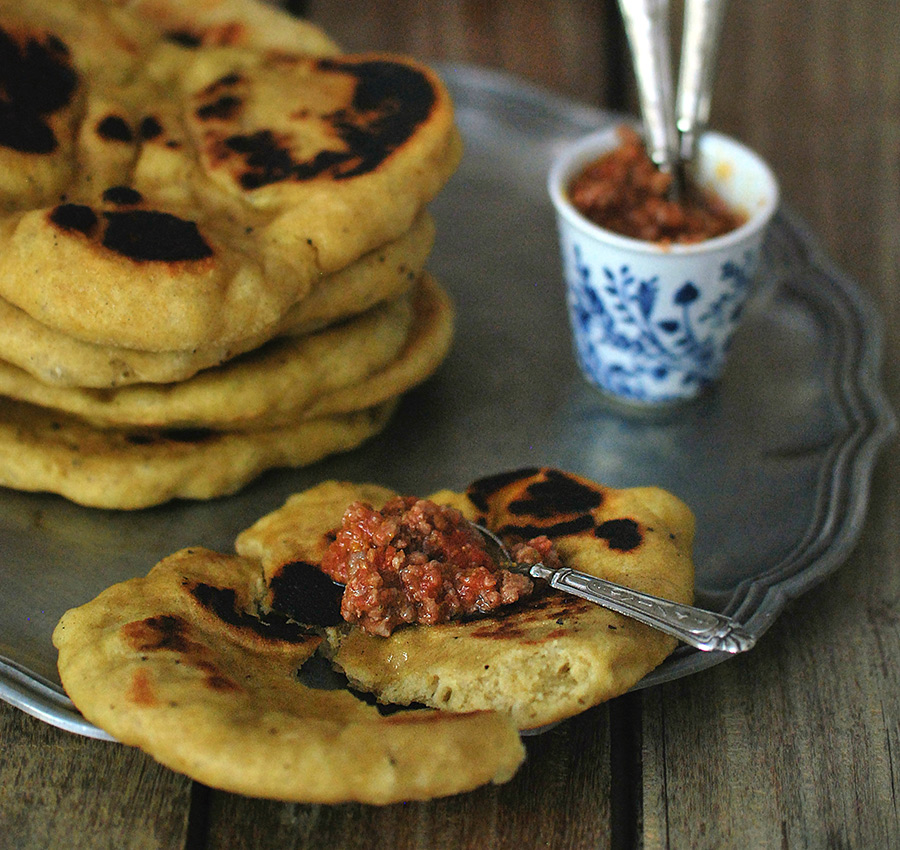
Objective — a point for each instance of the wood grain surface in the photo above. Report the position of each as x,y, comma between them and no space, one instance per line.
796,744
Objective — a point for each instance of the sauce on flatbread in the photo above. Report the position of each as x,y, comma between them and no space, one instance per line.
415,561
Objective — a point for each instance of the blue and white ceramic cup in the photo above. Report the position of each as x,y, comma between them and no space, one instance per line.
652,323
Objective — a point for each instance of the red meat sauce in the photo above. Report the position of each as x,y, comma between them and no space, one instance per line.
623,191
416,561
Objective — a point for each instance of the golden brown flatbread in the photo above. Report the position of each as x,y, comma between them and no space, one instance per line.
269,387
61,360
183,665
265,386
425,348
544,660
178,195
126,469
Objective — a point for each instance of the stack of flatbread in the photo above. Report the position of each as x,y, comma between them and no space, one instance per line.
213,238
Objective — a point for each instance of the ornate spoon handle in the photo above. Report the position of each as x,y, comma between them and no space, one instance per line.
702,629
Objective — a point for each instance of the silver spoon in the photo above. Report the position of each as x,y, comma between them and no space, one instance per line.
699,48
696,627
647,29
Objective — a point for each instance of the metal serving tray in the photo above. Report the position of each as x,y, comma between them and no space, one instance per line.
776,462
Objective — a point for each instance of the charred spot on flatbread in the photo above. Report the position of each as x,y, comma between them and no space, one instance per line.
188,435
114,128
36,80
137,235
219,101
150,128
152,235
179,635
78,218
163,632
482,491
173,635
621,534
547,501
122,196
222,603
225,106
304,592
536,491
185,436
389,102
184,38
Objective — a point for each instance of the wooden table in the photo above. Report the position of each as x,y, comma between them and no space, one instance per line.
796,744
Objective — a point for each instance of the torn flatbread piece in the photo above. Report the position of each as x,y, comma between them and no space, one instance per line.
197,663
545,659
184,665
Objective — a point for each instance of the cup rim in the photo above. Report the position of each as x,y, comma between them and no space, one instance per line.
578,153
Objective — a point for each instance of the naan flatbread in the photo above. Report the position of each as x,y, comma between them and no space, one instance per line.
426,347
126,469
197,663
269,387
61,360
163,195
182,664
541,661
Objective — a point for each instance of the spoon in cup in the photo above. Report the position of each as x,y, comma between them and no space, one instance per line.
671,130
647,29
699,48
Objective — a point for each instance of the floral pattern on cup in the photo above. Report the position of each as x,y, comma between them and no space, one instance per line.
645,340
